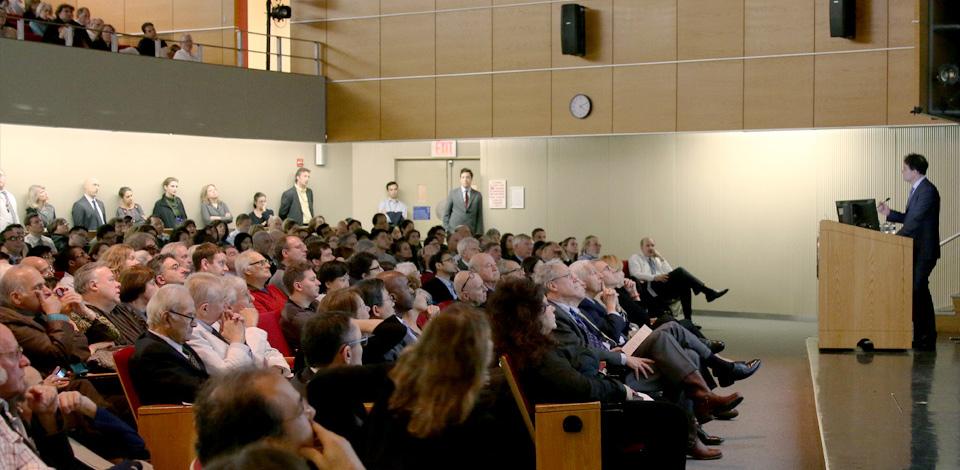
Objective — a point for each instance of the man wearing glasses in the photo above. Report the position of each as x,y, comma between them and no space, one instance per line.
440,287
255,271
163,368
470,288
13,244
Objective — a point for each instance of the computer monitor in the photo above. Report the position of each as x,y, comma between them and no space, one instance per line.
860,212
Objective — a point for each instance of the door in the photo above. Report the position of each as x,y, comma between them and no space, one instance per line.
426,182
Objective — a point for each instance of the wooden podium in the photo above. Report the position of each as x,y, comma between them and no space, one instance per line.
865,287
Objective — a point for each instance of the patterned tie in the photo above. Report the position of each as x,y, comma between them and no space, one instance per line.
466,199
8,206
192,357
592,341
653,266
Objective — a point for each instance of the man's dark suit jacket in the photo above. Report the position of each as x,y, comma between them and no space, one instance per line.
48,341
290,205
161,375
52,33
338,395
921,221
612,325
84,215
437,290
388,339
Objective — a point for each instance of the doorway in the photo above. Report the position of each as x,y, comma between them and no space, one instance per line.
427,182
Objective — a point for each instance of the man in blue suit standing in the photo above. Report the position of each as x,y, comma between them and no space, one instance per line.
921,222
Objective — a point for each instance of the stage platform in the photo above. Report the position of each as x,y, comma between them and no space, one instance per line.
888,410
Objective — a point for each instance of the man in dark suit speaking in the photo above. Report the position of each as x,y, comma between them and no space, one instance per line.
464,206
921,222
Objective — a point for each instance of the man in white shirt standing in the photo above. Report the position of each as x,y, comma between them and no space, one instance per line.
8,204
88,211
664,283
391,207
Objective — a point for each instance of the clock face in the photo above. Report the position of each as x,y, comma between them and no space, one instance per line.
580,106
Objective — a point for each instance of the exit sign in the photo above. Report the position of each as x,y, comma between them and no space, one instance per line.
443,148
299,163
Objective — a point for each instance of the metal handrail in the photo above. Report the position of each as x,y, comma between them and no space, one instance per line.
115,42
949,239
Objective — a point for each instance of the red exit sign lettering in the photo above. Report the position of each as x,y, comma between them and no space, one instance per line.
444,148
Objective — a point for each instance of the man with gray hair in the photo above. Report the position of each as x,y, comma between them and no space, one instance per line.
181,252
164,368
466,248
470,288
100,290
221,338
186,51
484,265
509,268
522,247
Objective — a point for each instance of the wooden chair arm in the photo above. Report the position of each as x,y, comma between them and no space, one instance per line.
169,433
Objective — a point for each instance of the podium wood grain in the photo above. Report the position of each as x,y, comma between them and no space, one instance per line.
865,287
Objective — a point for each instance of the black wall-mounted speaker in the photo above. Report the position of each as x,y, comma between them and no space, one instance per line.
939,55
843,18
573,29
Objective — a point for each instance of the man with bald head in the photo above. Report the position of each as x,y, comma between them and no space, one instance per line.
88,211
485,266
43,267
470,288
163,368
38,319
509,268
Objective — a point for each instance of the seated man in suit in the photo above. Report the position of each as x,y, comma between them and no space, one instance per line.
665,283
296,203
164,368
391,335
522,247
440,287
464,205
221,338
600,303
339,385
38,319
470,288
467,248
88,211
485,266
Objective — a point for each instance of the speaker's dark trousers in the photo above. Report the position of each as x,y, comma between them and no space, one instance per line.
924,321
680,284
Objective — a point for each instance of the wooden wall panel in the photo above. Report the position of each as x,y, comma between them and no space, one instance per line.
521,104
309,32
194,14
902,31
595,83
851,90
521,37
353,111
903,89
644,31
137,12
449,4
406,6
408,109
352,49
351,8
645,98
464,106
599,26
778,27
111,11
407,45
709,28
464,41
710,96
778,93
871,27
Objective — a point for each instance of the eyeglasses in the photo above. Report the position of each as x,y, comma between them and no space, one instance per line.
192,318
511,271
557,278
13,238
362,341
376,268
464,285
16,354
258,263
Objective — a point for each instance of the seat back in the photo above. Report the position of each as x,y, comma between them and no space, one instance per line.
522,404
122,359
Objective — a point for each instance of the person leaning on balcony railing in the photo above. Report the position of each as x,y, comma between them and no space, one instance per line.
146,46
187,50
57,32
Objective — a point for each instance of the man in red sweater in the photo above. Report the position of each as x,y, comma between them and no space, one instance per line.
267,299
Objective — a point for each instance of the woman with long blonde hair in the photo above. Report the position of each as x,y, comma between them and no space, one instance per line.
431,418
38,203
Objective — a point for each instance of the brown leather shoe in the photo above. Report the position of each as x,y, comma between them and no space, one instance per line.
711,403
697,451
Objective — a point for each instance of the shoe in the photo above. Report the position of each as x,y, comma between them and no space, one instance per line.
707,439
726,415
712,295
705,402
716,346
740,370
697,451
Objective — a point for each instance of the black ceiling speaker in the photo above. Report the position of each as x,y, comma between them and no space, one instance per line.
939,56
573,29
843,18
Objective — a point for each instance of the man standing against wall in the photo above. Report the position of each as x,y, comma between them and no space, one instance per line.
88,211
921,222
8,204
464,205
391,207
297,202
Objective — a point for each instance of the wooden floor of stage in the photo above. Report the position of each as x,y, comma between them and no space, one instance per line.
889,410
777,427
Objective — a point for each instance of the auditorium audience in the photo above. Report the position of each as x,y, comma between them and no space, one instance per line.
297,202
147,46
302,284
13,244
470,288
119,257
169,208
255,271
440,287
208,258
167,270
89,212
35,233
288,250
128,207
8,204
591,248
467,247
242,226
137,286
362,266
38,203
509,268
187,51
522,247
260,214
212,208
571,250
538,235
486,267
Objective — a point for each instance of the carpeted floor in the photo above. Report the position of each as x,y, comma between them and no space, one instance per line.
777,427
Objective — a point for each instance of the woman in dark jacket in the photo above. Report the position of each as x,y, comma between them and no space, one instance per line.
521,321
170,207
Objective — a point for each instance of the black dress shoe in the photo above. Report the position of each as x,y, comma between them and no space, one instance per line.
715,345
707,439
739,371
712,295
726,415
